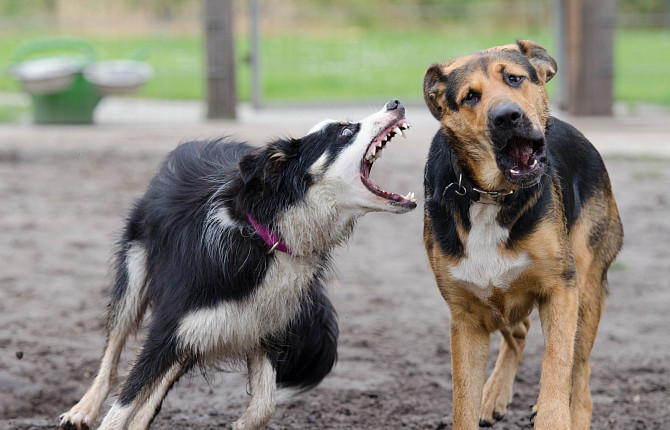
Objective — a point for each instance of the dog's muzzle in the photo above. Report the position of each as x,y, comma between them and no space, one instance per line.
519,145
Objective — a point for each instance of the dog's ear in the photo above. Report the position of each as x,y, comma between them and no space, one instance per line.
250,164
540,59
267,164
434,91
262,164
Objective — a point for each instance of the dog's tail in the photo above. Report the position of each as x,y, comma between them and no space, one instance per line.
307,352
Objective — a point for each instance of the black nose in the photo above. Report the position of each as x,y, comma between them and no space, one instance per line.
394,104
505,115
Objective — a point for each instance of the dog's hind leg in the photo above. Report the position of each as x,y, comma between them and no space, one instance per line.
498,388
126,309
262,386
595,243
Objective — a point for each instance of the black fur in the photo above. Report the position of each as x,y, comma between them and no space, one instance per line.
313,343
230,248
187,273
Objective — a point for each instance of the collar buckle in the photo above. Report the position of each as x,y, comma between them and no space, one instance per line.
496,196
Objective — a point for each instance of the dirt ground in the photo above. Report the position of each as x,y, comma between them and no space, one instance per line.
63,195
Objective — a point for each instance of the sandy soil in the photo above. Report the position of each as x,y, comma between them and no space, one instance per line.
63,195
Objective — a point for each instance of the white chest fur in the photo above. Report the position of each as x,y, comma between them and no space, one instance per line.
233,327
484,267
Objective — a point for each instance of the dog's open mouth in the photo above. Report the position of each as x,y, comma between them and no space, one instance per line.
524,152
374,152
526,158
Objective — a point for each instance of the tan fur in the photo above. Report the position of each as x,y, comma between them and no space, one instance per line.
565,280
469,125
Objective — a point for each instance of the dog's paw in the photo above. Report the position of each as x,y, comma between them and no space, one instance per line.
495,417
495,400
75,419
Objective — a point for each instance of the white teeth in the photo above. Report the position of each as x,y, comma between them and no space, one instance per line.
374,155
517,171
376,151
410,197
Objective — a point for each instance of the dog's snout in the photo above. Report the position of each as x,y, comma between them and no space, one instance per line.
394,104
505,115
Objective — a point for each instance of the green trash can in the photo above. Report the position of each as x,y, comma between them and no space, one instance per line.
75,105
59,92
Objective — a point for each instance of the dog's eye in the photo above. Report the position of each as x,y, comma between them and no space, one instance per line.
347,132
472,97
515,80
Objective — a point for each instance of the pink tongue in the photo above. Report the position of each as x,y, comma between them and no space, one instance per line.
522,154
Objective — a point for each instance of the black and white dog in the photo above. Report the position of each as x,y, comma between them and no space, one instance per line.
229,248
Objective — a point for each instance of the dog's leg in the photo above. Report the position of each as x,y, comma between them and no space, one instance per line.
140,409
150,409
157,367
498,389
469,352
125,312
83,414
558,315
262,384
591,300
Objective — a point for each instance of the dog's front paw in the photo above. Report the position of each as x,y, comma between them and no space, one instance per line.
76,418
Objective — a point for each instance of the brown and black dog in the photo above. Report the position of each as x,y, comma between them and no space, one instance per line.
519,212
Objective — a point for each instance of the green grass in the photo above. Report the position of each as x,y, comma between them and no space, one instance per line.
359,64
642,66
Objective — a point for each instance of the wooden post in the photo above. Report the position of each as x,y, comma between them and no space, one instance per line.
256,87
587,44
221,93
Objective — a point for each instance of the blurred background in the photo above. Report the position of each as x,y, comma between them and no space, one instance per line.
149,73
324,52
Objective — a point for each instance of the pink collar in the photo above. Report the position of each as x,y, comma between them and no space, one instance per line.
273,241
